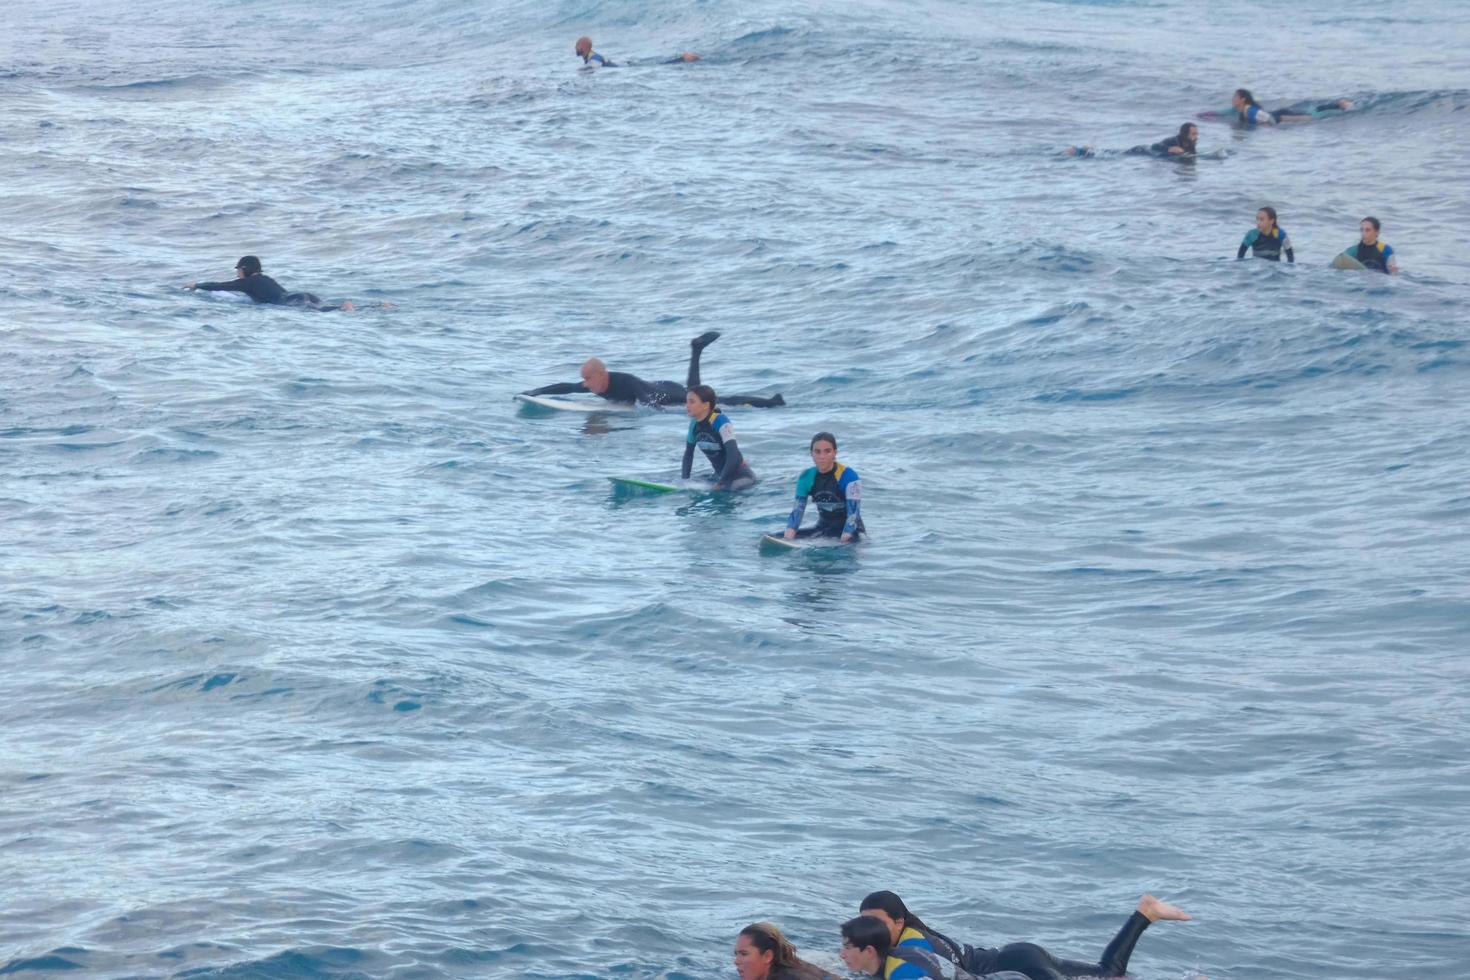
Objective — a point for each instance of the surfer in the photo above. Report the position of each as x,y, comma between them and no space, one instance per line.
1248,112
1371,252
763,953
1185,143
901,928
710,431
617,386
592,58
263,289
1266,240
838,491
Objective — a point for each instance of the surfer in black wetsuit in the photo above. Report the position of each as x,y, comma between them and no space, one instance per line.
629,389
263,289
592,59
1185,143
711,433
1026,958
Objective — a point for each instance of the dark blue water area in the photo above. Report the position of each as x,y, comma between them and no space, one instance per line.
323,659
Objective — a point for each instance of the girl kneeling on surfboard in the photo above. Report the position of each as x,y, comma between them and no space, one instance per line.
711,432
836,488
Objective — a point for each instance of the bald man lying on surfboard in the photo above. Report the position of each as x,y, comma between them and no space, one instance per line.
616,386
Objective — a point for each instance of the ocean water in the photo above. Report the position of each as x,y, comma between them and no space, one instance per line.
322,660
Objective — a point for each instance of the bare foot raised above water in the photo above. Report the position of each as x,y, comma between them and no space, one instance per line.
1154,909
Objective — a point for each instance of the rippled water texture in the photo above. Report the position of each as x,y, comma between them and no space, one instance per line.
321,660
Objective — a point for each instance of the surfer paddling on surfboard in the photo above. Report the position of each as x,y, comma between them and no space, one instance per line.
838,491
616,386
890,941
710,431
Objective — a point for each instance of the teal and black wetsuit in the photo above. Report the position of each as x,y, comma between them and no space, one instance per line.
1373,256
1254,115
263,289
838,493
593,58
1035,962
715,437
1267,246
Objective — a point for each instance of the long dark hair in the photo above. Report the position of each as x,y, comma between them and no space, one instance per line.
1184,141
1270,213
824,437
1245,94
706,394
892,906
767,938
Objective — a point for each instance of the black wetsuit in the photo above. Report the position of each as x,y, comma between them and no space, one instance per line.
633,390
1038,964
263,289
1161,148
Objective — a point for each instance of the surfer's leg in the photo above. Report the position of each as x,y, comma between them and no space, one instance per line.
754,401
697,346
1114,962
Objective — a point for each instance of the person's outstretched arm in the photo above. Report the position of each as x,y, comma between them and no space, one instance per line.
228,286
563,388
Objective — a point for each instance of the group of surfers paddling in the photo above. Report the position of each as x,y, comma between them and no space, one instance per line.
889,941
1267,240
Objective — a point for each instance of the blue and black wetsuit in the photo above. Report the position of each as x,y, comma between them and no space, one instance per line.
1267,246
632,390
839,494
1035,962
1373,256
263,289
715,437
592,58
1254,115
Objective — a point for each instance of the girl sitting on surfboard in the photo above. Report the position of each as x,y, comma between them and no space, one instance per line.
838,491
1372,253
711,432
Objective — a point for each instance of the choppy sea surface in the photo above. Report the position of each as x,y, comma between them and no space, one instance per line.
321,659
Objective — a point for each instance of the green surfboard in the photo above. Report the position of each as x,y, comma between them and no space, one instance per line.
628,485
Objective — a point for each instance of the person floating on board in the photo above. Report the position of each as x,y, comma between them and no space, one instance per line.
903,931
592,59
628,389
710,432
763,953
1372,253
838,491
263,289
1249,113
1266,240
1184,143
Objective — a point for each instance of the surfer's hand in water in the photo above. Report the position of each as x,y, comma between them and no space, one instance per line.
790,533
846,538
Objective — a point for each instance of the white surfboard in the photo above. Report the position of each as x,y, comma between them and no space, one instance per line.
1345,261
587,406
773,543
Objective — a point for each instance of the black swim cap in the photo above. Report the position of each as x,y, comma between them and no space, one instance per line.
250,264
